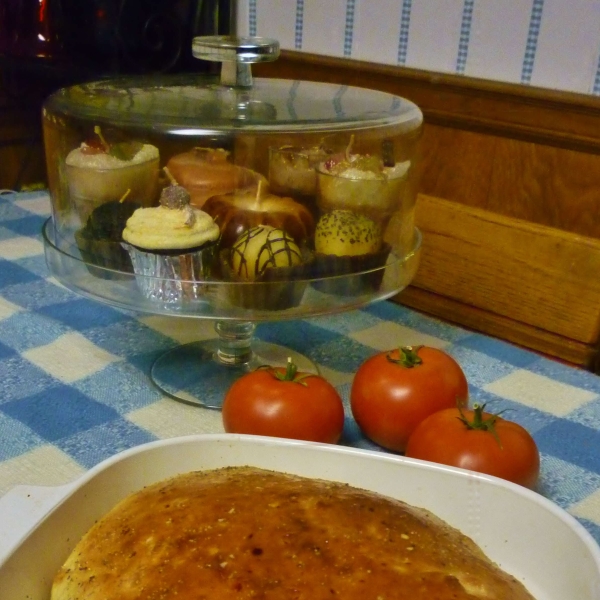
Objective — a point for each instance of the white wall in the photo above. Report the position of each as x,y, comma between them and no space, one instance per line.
546,43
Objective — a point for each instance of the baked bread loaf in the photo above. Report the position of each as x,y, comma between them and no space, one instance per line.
242,532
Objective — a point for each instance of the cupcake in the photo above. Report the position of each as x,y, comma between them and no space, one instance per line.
99,241
292,172
271,263
362,183
172,247
99,172
206,172
349,243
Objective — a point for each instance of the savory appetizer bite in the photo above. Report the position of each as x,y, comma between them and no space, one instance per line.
270,259
99,172
172,247
361,182
241,210
206,172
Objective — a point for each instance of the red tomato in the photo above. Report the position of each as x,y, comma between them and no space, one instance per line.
394,391
280,402
478,441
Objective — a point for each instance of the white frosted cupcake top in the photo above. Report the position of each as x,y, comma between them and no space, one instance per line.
359,172
101,160
162,228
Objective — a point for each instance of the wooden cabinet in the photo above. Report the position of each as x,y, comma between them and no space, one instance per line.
509,204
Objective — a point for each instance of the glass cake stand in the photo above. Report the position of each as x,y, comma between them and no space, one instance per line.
250,122
200,372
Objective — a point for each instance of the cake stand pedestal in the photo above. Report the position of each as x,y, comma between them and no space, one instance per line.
198,373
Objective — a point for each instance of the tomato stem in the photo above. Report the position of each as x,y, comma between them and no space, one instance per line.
408,357
479,423
290,373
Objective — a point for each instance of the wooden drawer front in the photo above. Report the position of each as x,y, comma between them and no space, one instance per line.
480,267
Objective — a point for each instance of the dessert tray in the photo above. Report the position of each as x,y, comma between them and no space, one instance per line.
525,534
231,199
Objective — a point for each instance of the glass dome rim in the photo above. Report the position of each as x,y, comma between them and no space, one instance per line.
409,115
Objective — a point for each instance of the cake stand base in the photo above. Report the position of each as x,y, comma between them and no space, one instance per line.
196,374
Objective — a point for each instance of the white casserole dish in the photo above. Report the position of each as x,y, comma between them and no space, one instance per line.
527,535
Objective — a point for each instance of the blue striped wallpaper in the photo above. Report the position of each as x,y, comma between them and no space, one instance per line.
252,18
350,5
532,39
298,24
404,29
465,35
547,43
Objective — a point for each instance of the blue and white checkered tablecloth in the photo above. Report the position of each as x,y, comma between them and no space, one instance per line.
75,386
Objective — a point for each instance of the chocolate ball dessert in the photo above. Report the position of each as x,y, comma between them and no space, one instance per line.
270,260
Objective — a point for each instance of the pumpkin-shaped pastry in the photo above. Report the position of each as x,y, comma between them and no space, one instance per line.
205,172
239,211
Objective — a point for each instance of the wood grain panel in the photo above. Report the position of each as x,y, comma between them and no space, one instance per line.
504,328
547,185
558,188
526,268
539,276
456,164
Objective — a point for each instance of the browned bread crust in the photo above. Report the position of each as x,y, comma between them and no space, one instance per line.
248,533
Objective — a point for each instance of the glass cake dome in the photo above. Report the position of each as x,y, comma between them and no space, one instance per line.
229,198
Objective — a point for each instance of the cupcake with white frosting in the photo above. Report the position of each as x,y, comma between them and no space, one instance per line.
172,247
98,172
364,183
